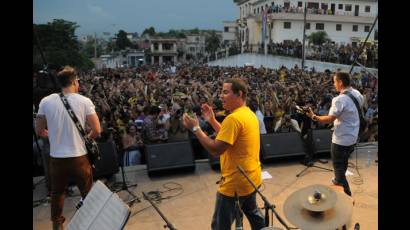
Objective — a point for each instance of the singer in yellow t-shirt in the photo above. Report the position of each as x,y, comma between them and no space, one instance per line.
237,143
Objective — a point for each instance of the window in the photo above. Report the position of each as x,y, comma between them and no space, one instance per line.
167,46
367,9
313,5
299,4
348,7
308,26
320,26
324,6
340,6
338,27
286,4
366,28
286,25
355,28
226,29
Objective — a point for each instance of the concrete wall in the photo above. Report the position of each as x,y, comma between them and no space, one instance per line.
275,62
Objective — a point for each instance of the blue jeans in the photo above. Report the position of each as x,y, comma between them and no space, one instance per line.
132,157
340,157
224,213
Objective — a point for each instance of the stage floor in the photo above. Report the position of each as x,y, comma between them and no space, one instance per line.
193,207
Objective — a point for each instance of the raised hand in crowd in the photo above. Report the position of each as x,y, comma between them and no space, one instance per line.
207,112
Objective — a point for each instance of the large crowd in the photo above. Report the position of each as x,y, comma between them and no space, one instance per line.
327,52
143,105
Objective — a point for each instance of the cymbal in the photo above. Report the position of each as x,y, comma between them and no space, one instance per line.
332,218
326,198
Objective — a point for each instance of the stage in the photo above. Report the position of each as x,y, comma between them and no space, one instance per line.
192,207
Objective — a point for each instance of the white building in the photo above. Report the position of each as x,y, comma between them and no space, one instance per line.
163,50
229,33
109,61
345,21
126,58
195,44
135,58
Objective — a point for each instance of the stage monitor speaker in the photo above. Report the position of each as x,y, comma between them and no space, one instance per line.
281,144
322,139
169,156
108,164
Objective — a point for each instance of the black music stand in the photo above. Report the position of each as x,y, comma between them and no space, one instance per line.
308,145
125,186
312,164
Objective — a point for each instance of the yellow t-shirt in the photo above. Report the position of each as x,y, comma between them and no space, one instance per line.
240,129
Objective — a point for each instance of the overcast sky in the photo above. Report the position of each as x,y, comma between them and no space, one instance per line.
136,15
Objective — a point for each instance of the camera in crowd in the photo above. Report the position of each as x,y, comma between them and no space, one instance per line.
302,109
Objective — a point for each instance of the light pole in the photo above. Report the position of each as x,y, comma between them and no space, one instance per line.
242,25
304,38
269,22
103,33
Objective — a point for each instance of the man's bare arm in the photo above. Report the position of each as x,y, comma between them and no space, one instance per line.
41,124
94,123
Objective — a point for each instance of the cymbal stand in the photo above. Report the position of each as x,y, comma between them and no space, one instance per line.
168,224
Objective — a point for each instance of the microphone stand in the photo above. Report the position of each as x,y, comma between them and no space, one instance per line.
168,224
238,214
268,206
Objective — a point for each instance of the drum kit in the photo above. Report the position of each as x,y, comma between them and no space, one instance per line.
317,207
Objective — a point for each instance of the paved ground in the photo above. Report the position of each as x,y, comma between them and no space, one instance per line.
193,207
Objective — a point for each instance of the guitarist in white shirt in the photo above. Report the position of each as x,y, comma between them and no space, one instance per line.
68,154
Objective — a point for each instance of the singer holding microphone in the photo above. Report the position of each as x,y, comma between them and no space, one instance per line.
237,143
345,117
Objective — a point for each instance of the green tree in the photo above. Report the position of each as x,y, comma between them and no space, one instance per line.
195,31
150,31
318,38
212,42
122,41
59,45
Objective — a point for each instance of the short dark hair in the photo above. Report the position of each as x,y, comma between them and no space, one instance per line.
238,85
344,77
66,76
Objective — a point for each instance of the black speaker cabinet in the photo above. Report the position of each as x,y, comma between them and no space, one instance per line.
281,144
322,139
108,164
169,156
